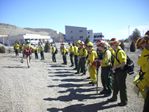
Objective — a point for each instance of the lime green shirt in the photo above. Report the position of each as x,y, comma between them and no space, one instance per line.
121,56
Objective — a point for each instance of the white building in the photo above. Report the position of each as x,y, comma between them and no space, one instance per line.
32,38
73,33
35,38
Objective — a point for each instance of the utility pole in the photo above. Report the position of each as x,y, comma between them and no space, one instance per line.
128,31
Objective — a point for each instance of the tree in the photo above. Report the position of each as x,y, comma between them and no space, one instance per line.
132,47
135,35
87,40
47,47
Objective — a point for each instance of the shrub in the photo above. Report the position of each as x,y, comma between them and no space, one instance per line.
2,49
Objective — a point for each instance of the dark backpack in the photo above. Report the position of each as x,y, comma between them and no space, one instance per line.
28,51
129,67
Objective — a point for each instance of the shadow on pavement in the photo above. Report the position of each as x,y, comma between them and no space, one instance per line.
60,72
14,66
62,75
74,94
83,108
56,65
73,80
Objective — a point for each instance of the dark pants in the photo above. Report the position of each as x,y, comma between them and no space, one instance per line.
119,85
53,57
42,55
71,59
64,59
106,79
16,52
81,65
36,55
146,103
76,61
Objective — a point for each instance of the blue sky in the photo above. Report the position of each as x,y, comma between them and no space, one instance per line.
114,18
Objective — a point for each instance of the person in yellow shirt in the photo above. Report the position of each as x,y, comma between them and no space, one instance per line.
92,56
53,50
142,79
41,50
64,52
119,79
105,68
16,48
35,50
82,59
71,54
76,54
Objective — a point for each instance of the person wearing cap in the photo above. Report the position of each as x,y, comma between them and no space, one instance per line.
119,77
53,51
103,46
142,82
41,50
64,52
76,54
92,56
16,48
82,59
71,54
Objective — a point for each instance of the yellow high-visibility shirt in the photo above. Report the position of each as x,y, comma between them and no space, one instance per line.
143,60
83,52
64,51
71,49
92,56
16,46
75,50
112,51
121,56
53,49
106,61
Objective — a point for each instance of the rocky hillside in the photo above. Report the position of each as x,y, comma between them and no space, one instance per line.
14,31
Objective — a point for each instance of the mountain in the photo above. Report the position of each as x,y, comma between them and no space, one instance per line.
14,31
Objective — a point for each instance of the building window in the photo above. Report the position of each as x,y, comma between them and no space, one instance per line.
81,37
80,31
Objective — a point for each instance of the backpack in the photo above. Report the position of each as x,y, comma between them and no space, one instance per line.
129,67
27,51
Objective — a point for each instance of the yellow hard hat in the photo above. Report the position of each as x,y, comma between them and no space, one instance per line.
78,42
90,44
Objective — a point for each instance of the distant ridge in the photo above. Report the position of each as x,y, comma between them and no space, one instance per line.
14,31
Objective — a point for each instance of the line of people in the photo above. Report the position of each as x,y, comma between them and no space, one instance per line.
141,80
112,60
27,49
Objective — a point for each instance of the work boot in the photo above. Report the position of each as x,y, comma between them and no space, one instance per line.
112,99
122,104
